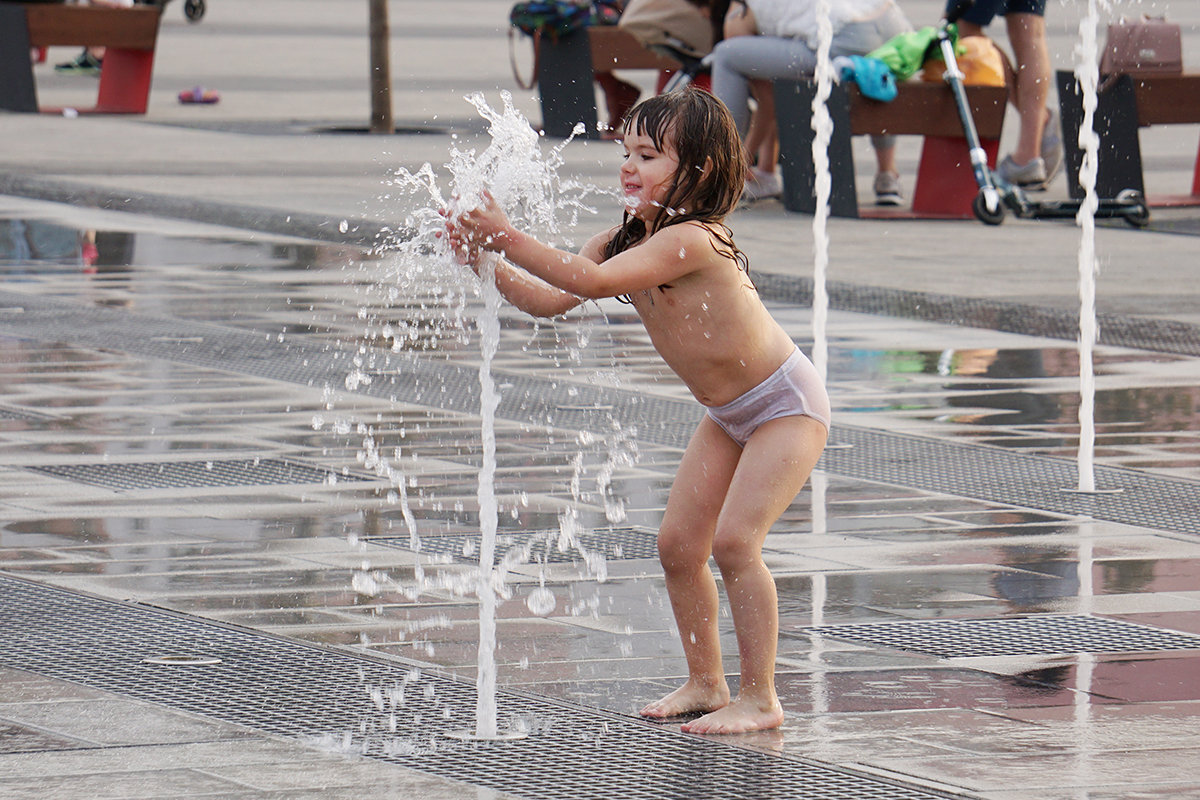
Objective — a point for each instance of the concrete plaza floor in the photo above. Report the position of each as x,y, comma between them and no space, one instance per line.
222,430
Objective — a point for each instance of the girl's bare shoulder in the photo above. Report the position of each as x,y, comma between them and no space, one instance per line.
699,239
594,247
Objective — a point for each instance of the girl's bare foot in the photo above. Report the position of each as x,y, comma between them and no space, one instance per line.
740,716
693,697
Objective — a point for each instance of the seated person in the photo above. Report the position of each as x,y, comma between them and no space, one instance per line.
767,40
91,59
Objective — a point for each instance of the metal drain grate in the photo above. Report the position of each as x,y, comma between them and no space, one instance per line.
1018,636
1143,333
616,544
394,712
1004,476
196,474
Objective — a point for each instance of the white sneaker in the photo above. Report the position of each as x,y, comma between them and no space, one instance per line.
761,185
887,189
1027,176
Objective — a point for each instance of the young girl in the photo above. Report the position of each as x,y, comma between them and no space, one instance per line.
674,260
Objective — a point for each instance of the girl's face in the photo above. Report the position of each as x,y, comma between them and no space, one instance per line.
646,174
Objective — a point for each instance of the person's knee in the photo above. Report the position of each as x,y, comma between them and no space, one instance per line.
735,550
680,551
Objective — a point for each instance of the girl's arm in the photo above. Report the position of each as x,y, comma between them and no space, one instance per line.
531,295
666,256
524,291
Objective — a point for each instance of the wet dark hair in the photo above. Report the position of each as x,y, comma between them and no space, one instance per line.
701,131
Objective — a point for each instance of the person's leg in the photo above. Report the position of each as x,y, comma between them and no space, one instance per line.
762,140
1027,35
775,464
762,146
619,97
735,62
684,543
860,38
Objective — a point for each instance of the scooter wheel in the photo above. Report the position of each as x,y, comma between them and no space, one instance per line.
1135,212
985,215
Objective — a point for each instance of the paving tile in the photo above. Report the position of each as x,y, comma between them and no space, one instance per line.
109,721
1035,773
21,739
118,785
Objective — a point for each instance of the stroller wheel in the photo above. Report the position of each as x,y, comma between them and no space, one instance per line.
193,10
984,214
1133,208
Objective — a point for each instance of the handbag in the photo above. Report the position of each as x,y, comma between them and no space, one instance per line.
554,18
1148,46
550,17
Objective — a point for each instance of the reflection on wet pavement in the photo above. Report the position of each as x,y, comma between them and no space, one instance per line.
280,558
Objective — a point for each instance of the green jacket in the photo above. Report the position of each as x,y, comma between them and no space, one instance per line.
905,54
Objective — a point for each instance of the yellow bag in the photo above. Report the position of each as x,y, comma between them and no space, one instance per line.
982,63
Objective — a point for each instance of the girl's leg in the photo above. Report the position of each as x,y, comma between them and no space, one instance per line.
684,544
773,468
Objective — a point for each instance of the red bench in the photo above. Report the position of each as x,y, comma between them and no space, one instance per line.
129,34
945,184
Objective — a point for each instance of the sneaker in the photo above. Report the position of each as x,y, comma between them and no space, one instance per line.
887,189
761,185
1052,145
83,64
1027,176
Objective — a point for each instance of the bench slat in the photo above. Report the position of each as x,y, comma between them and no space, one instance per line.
614,48
56,25
926,108
1168,99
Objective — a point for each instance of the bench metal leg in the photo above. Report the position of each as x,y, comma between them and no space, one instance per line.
793,115
125,81
1119,162
565,85
17,91
945,181
1196,176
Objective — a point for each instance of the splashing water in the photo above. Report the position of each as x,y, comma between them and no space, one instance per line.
525,184
1088,75
822,125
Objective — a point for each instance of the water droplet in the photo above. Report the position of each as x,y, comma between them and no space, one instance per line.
343,226
541,601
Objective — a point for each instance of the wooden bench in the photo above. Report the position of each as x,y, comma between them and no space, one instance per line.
129,34
945,184
565,68
1127,105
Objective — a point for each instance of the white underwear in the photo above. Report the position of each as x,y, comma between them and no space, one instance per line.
795,389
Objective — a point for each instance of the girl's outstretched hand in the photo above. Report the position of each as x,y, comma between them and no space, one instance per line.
462,245
486,226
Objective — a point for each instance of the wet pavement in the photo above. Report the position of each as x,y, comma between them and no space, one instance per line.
216,439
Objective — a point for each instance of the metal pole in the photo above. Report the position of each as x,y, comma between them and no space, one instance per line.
381,70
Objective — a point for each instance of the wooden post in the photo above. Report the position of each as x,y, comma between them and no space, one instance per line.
381,69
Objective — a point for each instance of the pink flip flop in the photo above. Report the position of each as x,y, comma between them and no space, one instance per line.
199,95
